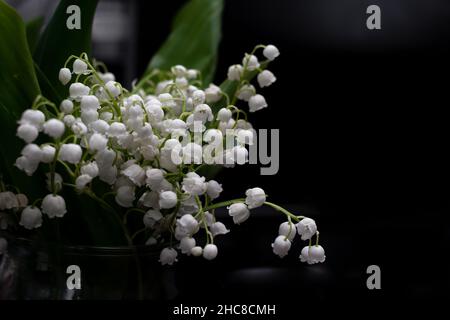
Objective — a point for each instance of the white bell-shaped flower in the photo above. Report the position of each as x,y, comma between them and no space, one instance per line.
210,251
239,212
125,196
246,92
271,52
250,62
312,254
203,113
197,251
48,153
113,88
188,223
79,66
151,217
192,153
70,153
54,206
82,180
26,165
90,168
57,182
255,197
235,72
198,97
194,184
257,102
288,230
167,199
78,90
218,228
54,128
212,94
266,78
136,174
168,256
97,142
281,246
66,106
213,189
31,218
99,126
306,228
186,245
8,200
224,115
27,132
117,129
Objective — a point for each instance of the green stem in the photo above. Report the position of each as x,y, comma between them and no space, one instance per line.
223,204
281,209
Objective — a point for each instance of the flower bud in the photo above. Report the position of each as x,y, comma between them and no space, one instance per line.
79,66
48,153
210,251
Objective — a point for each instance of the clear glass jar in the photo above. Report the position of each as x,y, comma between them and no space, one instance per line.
39,270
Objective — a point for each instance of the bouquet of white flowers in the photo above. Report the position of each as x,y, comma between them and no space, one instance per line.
147,145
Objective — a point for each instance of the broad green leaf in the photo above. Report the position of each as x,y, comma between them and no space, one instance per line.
33,29
194,39
18,89
58,42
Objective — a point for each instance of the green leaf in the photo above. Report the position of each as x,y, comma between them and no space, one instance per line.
18,89
58,42
194,40
33,29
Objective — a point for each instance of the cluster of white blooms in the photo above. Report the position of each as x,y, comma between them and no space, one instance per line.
306,228
147,145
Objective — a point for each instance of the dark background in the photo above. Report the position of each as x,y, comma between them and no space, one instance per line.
363,127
